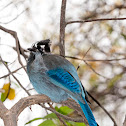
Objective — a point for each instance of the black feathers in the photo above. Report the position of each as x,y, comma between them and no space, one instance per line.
46,43
42,46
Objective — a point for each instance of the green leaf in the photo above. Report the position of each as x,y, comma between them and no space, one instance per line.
6,88
71,123
79,124
33,120
114,80
47,123
64,110
50,116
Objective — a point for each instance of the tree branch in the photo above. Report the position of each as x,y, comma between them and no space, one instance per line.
94,20
19,49
15,111
62,28
95,60
13,76
3,109
28,101
11,72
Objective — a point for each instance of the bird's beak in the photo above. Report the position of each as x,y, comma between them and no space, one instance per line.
31,49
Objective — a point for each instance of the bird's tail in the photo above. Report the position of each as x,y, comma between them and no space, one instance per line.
88,113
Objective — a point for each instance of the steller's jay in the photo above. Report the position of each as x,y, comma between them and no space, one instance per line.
56,77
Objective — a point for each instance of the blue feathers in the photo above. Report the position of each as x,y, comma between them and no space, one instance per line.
65,79
57,78
88,113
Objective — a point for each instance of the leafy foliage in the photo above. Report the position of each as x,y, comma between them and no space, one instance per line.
52,120
6,88
47,123
8,92
64,110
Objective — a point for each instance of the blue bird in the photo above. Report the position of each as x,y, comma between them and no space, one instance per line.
57,78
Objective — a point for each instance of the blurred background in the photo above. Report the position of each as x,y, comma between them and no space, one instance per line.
103,73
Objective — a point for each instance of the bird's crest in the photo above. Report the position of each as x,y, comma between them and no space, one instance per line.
42,46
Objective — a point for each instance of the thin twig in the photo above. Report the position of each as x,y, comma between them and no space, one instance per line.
66,117
103,108
14,76
62,28
83,58
93,97
11,72
94,70
14,18
18,47
107,60
94,20
94,60
6,6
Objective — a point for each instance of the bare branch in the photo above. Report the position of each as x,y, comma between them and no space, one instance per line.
72,104
94,20
14,76
107,60
62,28
14,18
6,6
94,70
83,58
28,101
94,60
18,47
15,111
3,109
37,99
85,61
11,72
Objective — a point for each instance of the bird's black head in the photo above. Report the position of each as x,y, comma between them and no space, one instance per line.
41,46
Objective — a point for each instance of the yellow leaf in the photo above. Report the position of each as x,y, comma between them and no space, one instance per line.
6,86
6,89
11,95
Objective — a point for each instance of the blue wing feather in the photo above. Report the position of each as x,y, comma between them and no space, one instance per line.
65,78
67,81
88,113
